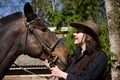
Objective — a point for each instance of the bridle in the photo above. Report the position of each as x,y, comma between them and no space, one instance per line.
51,58
30,28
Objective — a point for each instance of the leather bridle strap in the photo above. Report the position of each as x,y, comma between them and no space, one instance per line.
45,45
47,49
54,45
41,41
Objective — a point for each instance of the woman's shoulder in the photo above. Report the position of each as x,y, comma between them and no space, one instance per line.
102,56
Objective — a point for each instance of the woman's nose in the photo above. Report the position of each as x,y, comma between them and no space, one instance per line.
74,34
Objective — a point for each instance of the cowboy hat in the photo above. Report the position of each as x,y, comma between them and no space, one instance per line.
89,27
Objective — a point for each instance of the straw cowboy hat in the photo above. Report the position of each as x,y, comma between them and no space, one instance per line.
89,27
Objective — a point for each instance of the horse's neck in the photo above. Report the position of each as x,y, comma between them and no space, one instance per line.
10,18
12,25
8,61
8,35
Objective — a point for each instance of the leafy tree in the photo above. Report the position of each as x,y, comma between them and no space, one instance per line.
79,10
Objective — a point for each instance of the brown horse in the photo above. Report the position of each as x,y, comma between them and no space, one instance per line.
28,36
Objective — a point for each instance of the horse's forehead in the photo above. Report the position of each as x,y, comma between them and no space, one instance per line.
47,36
41,24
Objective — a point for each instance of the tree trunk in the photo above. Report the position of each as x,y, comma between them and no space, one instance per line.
37,9
114,36
53,4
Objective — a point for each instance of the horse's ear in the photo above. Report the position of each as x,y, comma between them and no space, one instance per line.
28,12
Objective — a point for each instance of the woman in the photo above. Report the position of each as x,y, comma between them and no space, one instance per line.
89,63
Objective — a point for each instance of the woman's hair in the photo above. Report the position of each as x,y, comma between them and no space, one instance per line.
91,44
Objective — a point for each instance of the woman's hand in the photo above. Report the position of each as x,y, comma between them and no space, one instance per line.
55,71
46,63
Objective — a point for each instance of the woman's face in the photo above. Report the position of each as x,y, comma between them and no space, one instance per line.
78,38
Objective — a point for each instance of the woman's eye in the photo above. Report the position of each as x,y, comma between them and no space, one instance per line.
78,32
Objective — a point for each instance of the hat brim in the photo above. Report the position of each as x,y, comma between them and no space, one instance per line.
85,28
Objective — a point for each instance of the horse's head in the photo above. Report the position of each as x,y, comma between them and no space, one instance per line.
40,42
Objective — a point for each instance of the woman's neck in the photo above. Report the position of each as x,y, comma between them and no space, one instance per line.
83,48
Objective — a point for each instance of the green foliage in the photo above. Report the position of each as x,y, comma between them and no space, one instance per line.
57,31
79,10
72,11
104,39
69,40
54,18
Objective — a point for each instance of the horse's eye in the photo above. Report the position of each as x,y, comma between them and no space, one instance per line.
43,30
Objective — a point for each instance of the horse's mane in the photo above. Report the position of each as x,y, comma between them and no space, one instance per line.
10,18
